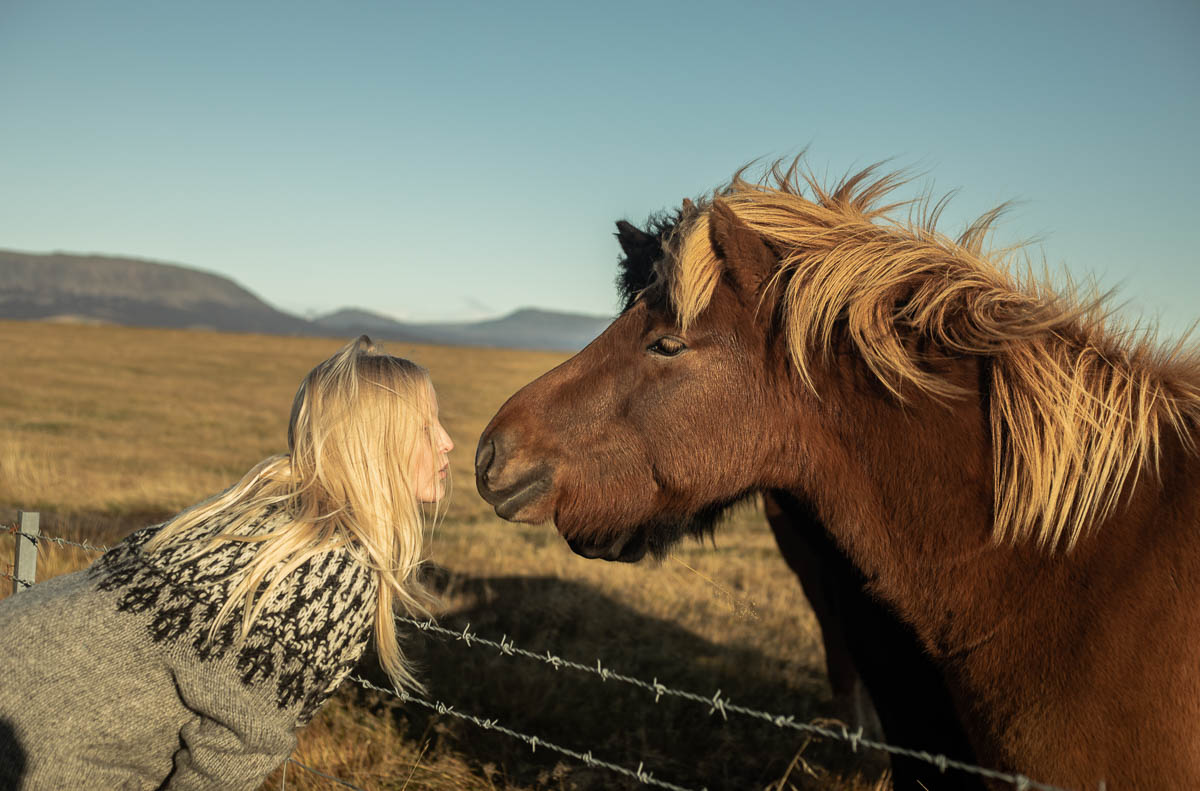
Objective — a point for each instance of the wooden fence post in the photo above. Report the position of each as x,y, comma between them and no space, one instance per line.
25,550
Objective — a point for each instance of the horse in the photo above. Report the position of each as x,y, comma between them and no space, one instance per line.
1015,475
880,677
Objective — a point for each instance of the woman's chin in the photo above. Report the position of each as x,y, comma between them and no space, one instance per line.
432,497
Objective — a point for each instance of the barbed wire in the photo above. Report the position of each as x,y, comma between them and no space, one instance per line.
715,702
17,580
62,542
534,742
718,704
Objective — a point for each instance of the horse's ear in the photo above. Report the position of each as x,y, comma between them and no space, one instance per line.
748,260
634,241
637,267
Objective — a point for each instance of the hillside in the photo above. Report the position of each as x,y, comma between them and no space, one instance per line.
133,292
114,290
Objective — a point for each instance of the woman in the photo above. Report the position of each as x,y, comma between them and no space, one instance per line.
187,656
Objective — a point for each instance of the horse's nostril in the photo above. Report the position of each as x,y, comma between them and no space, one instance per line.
484,455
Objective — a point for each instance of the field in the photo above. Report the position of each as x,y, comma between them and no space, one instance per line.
106,429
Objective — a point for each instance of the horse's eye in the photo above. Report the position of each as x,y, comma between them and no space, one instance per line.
667,346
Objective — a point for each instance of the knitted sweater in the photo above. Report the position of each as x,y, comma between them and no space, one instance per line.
108,679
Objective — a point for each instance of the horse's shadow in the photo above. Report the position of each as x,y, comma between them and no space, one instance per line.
679,741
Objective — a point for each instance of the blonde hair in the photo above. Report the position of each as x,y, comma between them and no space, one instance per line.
346,481
1079,405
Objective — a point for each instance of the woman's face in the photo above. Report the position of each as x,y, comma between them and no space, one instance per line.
431,464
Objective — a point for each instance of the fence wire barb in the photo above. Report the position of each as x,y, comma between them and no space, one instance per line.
62,542
17,580
533,741
717,703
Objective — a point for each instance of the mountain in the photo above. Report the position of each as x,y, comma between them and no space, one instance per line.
354,321
527,328
132,291
95,288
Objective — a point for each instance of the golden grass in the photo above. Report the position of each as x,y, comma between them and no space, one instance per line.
106,429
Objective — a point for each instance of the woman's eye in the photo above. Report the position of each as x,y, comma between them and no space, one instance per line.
667,346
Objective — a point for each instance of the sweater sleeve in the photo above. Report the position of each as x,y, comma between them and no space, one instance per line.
250,696
236,738
240,699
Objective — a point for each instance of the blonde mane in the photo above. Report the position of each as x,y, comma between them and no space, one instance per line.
1078,404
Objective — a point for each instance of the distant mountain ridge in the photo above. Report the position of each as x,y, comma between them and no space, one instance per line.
136,292
527,328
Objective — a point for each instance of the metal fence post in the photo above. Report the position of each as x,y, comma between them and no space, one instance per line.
25,550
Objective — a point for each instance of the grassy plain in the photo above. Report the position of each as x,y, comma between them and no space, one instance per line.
106,429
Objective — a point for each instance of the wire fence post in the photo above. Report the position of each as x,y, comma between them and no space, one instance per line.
25,550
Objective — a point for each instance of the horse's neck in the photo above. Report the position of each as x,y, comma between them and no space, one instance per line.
1022,633
1068,667
906,490
908,493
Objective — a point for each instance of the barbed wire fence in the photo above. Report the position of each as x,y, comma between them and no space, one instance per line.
27,535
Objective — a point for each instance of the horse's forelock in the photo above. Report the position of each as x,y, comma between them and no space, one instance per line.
691,271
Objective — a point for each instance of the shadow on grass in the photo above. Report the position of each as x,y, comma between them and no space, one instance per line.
678,741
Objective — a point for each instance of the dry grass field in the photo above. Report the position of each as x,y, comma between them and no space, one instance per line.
106,429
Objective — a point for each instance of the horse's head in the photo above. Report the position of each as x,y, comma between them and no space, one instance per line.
873,366
667,418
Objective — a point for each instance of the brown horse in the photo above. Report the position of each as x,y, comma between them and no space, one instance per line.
874,662
1016,481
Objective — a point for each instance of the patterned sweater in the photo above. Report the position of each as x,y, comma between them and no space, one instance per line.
108,679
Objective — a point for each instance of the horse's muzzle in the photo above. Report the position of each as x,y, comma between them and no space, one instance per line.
514,492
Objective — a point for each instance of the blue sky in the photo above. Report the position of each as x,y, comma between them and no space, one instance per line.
459,160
